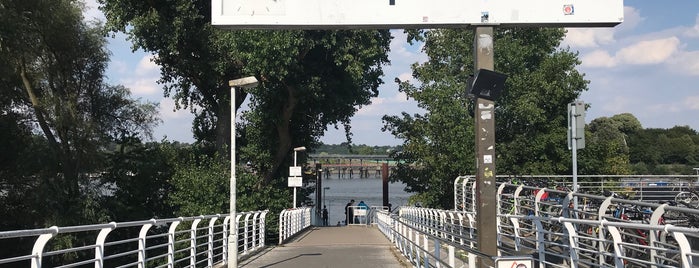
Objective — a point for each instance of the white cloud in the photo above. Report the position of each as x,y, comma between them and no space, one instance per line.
588,37
632,17
167,110
596,37
617,104
407,76
692,102
649,52
686,63
92,12
143,78
645,52
146,64
400,97
598,58
142,86
694,31
664,108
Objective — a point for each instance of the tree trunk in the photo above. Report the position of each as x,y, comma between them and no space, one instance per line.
284,135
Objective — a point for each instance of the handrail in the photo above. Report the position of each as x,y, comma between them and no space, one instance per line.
137,243
293,221
536,219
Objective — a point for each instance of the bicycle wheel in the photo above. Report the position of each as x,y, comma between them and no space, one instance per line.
687,198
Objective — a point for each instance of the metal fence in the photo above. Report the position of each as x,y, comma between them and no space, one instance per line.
193,241
420,244
616,230
292,221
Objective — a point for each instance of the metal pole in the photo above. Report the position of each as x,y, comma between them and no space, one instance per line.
233,230
486,209
574,147
294,186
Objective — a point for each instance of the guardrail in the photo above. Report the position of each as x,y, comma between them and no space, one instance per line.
292,221
200,240
650,188
420,246
648,234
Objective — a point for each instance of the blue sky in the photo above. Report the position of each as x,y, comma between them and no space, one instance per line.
647,66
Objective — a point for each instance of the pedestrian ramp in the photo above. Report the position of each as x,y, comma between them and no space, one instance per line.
336,246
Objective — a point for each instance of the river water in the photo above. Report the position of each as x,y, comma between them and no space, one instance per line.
369,190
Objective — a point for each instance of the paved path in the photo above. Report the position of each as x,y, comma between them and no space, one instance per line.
344,246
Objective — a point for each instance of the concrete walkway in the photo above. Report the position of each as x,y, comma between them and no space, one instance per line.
343,246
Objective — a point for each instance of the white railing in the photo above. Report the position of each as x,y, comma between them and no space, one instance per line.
421,246
292,221
200,240
536,219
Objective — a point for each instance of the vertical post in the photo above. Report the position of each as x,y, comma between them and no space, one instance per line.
294,206
485,153
319,198
384,182
233,233
574,147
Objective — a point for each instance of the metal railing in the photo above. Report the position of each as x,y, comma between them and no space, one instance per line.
421,246
200,240
292,221
547,223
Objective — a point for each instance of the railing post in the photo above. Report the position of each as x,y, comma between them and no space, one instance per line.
38,250
171,243
255,223
236,233
99,245
193,242
226,229
142,243
573,253
210,247
246,235
616,236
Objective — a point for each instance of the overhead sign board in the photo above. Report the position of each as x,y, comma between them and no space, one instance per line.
386,14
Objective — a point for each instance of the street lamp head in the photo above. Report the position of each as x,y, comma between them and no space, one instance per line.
326,188
299,149
245,82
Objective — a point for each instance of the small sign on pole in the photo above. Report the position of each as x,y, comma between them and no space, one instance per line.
295,182
295,171
576,125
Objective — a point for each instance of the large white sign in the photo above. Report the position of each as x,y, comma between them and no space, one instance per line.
346,14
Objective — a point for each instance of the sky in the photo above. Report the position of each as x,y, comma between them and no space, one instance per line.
647,66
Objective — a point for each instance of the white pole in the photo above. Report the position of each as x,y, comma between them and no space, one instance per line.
294,186
233,230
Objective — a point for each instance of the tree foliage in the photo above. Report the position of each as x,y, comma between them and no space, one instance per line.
52,84
309,79
530,115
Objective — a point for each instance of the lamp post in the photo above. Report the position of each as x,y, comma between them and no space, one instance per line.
244,83
296,150
325,202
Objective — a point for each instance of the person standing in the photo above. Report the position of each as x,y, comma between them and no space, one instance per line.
349,212
325,216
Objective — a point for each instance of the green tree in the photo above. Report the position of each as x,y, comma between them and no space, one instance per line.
54,67
308,79
606,148
530,115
